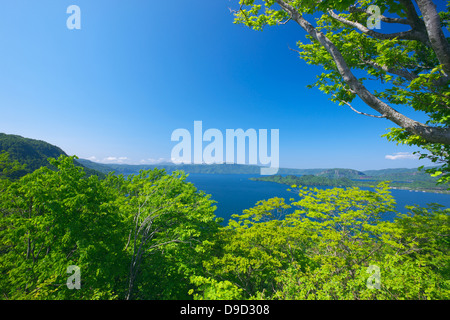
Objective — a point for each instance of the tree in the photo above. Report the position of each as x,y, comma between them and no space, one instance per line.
249,254
7,167
169,220
352,237
52,220
408,66
140,237
328,248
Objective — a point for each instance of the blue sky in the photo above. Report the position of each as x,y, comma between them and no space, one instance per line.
115,90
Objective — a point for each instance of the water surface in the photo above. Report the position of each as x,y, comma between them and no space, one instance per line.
235,192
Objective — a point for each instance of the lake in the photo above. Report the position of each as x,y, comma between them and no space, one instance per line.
235,192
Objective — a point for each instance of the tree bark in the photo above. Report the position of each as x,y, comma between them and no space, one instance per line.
437,38
430,134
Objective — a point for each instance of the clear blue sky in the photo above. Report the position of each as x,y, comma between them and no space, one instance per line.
137,70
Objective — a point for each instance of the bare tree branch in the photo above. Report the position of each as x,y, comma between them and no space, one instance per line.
284,22
382,17
411,34
404,73
362,113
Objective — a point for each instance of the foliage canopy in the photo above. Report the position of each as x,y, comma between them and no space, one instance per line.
404,63
154,236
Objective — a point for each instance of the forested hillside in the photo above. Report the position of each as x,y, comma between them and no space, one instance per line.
32,153
341,173
417,181
155,236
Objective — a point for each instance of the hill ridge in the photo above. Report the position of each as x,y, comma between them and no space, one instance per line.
33,153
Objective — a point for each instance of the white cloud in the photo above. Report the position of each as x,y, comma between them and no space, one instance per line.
114,159
126,160
93,159
153,161
401,156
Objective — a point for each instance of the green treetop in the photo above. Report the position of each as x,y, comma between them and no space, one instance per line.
408,60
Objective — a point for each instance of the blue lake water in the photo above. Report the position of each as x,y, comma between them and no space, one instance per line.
235,192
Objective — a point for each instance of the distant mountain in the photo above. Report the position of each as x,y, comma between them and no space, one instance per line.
335,173
398,175
341,173
170,167
400,178
33,153
401,174
100,167
383,172
191,168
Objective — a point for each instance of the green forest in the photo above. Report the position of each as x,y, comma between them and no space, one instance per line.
32,154
415,181
69,232
155,236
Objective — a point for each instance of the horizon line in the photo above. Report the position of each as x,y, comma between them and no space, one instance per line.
241,164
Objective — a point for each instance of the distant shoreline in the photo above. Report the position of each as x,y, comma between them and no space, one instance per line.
421,190
315,181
